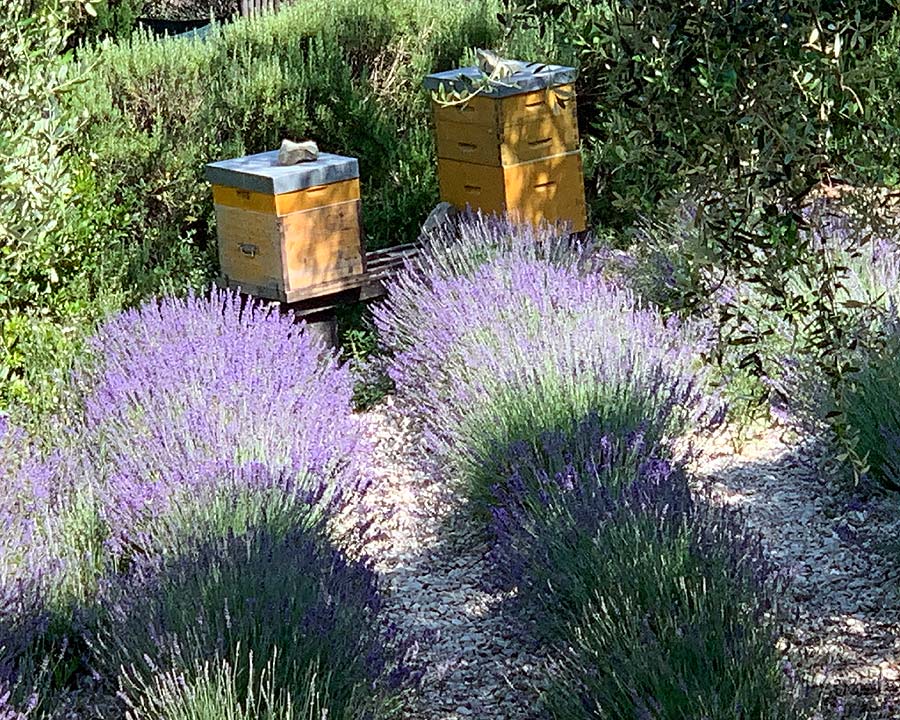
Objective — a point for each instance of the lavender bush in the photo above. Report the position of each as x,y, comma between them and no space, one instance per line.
44,553
27,567
661,607
284,624
7,709
504,333
862,408
27,498
203,413
556,394
213,437
673,626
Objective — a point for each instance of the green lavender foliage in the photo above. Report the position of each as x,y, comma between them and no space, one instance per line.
664,632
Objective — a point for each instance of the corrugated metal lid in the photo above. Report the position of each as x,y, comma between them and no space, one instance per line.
535,76
261,173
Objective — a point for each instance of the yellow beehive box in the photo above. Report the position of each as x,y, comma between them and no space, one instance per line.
511,146
508,130
549,189
285,230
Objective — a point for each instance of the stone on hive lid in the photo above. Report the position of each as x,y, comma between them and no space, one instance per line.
262,173
525,77
292,153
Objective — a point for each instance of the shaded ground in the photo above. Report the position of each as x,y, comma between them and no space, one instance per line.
474,661
840,551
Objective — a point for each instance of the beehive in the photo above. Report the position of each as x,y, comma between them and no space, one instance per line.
513,148
286,231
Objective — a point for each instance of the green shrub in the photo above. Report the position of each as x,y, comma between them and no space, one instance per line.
856,405
344,74
680,95
667,632
106,19
870,405
741,109
105,201
59,260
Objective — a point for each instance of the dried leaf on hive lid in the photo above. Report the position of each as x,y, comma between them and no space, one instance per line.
292,153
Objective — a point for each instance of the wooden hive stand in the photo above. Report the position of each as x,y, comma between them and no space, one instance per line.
292,235
511,147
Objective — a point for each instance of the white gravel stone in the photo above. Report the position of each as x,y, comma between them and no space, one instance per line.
843,631
474,658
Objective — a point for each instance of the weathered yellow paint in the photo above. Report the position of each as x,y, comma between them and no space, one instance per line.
280,256
510,145
322,244
287,203
549,189
250,246
509,111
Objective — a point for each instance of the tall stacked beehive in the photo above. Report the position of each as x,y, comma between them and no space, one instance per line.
510,145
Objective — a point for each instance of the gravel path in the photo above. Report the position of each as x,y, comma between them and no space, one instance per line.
839,549
472,654
841,552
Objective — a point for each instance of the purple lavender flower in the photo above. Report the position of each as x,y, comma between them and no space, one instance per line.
503,334
199,400
30,564
7,710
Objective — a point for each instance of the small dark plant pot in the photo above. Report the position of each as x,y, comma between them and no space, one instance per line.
162,26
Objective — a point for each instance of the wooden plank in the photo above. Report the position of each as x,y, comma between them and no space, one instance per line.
368,286
322,245
243,199
256,291
485,145
358,288
508,111
480,110
551,102
550,189
255,8
478,186
250,247
286,203
317,196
